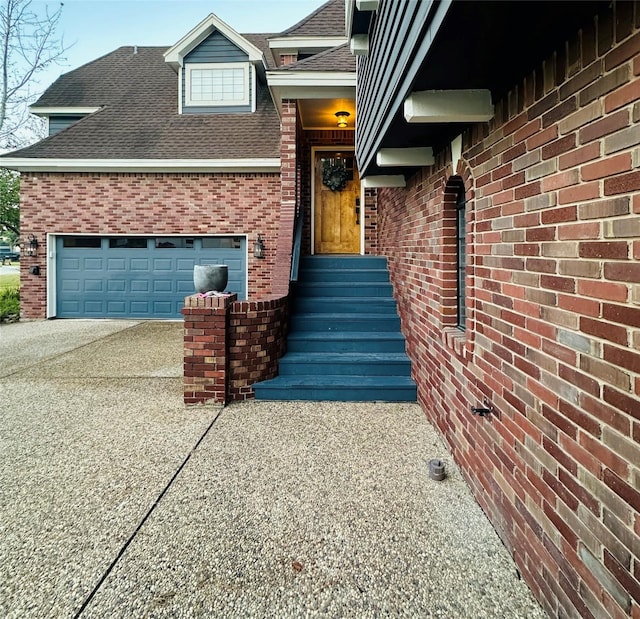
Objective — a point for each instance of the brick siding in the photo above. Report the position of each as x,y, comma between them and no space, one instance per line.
194,204
229,345
552,334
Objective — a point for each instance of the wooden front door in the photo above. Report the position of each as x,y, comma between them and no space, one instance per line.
337,213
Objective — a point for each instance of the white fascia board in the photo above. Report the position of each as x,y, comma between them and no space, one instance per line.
420,157
349,7
367,5
25,164
175,55
310,85
288,43
448,106
317,79
381,180
61,111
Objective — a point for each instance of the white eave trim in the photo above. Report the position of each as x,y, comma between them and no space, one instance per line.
382,180
318,79
406,157
25,164
62,111
300,42
310,85
175,55
448,106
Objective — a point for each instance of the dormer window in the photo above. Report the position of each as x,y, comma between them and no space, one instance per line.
217,84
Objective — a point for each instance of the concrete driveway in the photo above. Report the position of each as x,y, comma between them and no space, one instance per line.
116,500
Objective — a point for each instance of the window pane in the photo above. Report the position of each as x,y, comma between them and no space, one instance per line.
222,242
217,85
90,242
174,243
128,243
461,251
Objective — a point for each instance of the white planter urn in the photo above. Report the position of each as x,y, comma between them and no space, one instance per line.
208,277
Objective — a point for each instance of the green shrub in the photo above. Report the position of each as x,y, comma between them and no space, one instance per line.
9,304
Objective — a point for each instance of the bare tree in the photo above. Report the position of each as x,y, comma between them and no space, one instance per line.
28,45
9,205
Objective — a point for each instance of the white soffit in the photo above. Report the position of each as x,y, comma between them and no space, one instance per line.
62,111
375,182
26,164
367,5
310,85
359,45
301,42
421,156
448,106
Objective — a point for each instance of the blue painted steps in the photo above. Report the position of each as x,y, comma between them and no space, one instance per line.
344,341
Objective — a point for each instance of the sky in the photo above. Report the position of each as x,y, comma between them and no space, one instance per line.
93,28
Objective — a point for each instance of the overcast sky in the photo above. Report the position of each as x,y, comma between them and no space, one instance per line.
96,27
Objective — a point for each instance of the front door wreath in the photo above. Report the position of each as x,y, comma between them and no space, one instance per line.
334,174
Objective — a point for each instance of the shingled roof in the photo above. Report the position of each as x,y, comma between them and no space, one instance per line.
338,59
139,119
327,20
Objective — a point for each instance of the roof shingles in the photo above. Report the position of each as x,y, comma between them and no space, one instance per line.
137,92
139,119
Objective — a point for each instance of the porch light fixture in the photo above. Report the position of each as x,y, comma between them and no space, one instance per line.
30,246
342,119
259,248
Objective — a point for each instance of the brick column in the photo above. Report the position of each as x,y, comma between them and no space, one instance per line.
206,322
282,271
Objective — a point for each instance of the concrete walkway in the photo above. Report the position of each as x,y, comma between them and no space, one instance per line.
118,501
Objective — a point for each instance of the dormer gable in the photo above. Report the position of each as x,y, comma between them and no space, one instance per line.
218,69
322,30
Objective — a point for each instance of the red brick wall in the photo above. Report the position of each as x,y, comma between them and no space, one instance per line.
553,333
257,339
229,345
206,348
150,204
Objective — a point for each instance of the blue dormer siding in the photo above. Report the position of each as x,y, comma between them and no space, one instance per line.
58,123
216,49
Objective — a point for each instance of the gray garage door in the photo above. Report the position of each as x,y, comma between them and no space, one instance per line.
136,277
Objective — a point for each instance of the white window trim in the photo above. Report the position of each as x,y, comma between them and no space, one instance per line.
245,66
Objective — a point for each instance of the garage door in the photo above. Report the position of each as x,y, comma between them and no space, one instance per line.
135,277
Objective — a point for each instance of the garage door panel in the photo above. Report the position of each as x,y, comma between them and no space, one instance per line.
70,307
71,264
139,277
116,264
185,287
185,265
139,285
140,307
71,285
163,264
95,308
116,285
163,308
94,285
116,306
139,264
162,285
